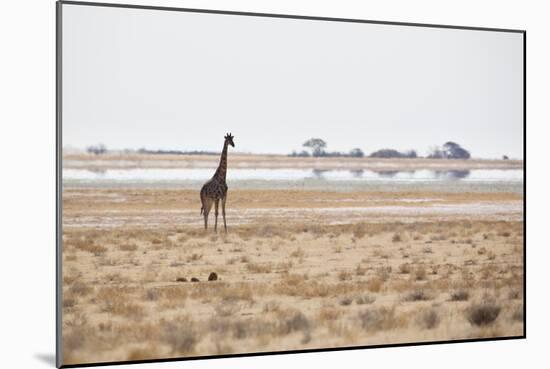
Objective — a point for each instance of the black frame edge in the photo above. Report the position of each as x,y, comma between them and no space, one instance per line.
525,184
58,184
287,16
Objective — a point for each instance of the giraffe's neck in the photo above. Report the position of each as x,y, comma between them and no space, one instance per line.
222,168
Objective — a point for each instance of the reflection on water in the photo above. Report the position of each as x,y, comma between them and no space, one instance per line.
318,173
357,173
185,174
452,174
387,173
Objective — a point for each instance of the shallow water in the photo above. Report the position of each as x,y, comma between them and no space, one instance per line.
186,174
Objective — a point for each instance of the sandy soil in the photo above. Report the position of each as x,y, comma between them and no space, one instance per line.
297,270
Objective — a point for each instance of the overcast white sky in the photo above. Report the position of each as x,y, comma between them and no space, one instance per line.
173,80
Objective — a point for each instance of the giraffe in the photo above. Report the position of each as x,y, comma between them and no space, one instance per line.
216,189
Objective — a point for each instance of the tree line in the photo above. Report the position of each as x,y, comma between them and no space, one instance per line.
316,147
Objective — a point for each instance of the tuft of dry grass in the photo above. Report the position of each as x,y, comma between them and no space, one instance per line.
460,295
194,257
298,253
365,300
271,306
259,267
329,314
114,300
482,314
80,289
419,274
404,268
344,275
515,294
375,284
381,318
128,246
417,295
151,294
181,335
230,292
360,271
292,321
91,247
346,301
517,314
143,353
428,319
69,302
297,285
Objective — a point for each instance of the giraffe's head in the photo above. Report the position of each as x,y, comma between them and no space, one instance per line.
229,139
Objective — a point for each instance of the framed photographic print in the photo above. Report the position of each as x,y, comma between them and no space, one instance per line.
241,184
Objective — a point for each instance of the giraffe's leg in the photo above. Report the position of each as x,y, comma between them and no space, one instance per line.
216,213
223,213
207,207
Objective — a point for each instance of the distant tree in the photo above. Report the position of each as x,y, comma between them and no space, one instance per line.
356,153
411,154
387,153
453,150
505,157
301,154
97,149
317,146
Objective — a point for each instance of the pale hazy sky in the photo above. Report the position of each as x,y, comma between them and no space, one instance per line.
172,80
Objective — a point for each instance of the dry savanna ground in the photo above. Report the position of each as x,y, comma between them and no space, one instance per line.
136,289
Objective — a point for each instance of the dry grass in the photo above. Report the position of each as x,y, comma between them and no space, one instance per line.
282,285
181,335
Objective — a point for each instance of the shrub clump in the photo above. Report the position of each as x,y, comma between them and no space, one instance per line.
483,314
460,295
428,319
417,295
381,318
365,300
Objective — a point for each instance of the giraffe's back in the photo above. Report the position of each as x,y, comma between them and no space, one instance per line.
214,189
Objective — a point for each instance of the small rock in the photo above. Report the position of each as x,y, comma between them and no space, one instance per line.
181,279
213,277
194,279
